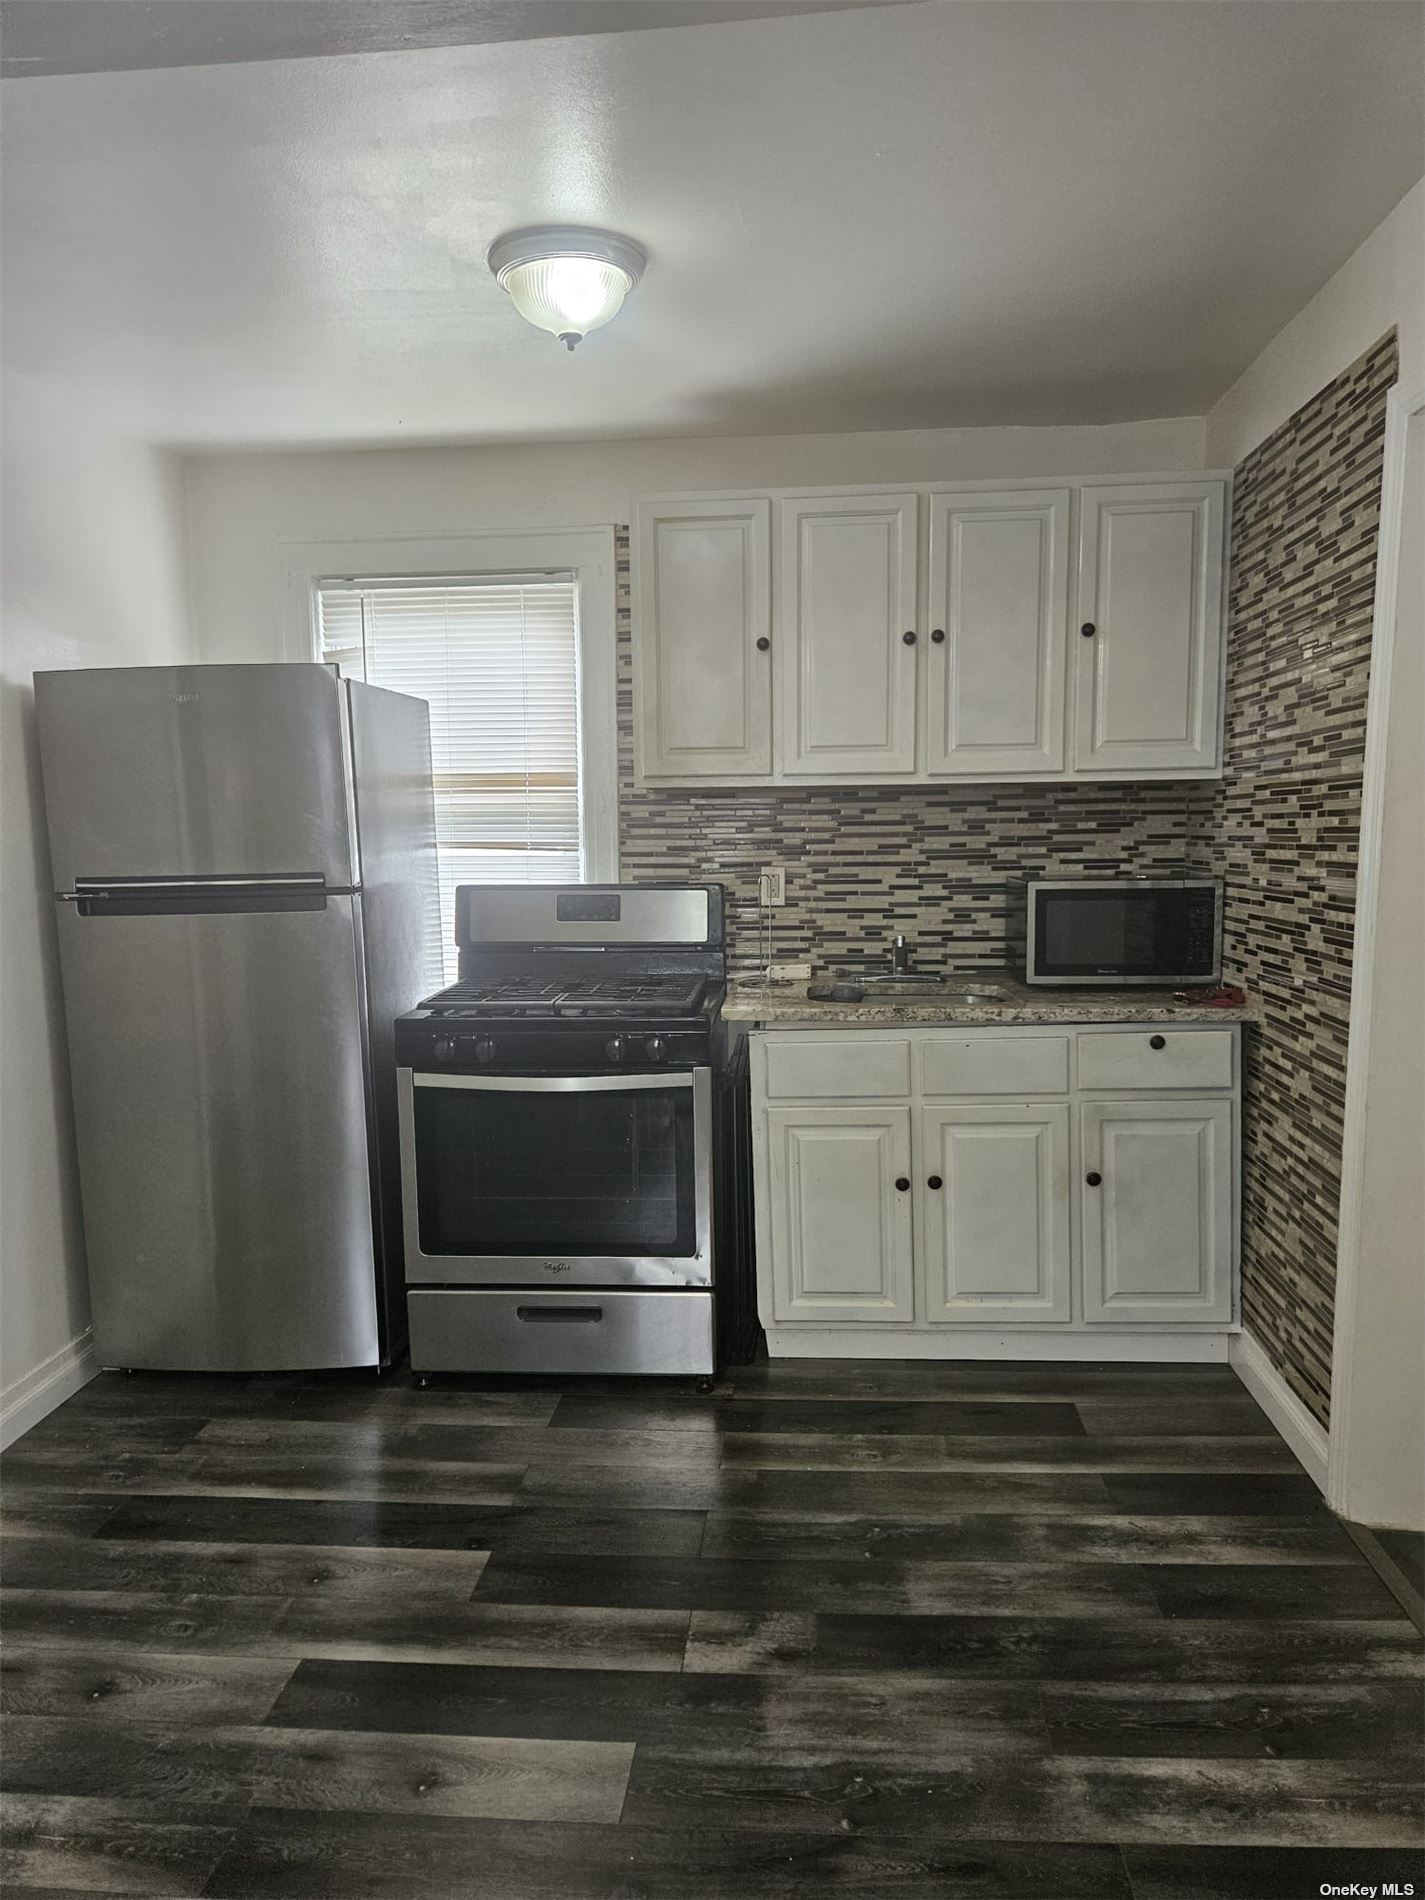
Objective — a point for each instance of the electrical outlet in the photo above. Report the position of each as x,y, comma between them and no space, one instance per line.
772,885
790,973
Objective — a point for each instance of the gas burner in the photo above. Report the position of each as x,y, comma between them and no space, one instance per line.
577,996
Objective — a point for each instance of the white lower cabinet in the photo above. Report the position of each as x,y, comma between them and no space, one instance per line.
995,1229
840,1207
1157,1210
1001,1187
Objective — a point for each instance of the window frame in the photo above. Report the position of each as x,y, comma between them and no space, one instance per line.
586,553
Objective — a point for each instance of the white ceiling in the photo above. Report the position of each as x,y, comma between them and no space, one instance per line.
919,215
120,36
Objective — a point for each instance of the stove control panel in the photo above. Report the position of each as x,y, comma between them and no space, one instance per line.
590,1049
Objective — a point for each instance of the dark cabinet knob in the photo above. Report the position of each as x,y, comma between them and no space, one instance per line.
763,643
937,635
1094,1179
909,639
935,1182
1088,630
1157,1042
902,1184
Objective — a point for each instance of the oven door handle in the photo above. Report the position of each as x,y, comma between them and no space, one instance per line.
553,1084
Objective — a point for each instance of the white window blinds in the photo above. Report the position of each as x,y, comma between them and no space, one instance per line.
496,660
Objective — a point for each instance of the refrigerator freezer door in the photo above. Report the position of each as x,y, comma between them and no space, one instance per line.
221,1109
197,771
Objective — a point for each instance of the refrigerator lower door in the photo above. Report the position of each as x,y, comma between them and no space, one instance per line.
221,1107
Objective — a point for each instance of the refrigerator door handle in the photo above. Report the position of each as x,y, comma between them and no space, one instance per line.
198,896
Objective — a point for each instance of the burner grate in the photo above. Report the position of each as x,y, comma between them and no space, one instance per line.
570,996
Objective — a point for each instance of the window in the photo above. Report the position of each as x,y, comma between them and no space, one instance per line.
496,657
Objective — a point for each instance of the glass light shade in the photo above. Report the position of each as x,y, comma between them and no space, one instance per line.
566,282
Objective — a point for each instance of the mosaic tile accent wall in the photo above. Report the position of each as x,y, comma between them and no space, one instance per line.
940,863
937,862
1285,829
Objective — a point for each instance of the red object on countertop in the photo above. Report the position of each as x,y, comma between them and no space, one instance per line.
1226,996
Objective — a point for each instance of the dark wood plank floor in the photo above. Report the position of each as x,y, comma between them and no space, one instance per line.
1019,1633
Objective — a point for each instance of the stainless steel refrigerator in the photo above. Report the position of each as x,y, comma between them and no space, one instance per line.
245,880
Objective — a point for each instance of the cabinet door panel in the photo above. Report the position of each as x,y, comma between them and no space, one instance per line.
848,599
996,1233
999,591
840,1228
1158,1227
704,600
1150,585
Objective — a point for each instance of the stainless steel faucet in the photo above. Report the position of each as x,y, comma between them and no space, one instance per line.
900,955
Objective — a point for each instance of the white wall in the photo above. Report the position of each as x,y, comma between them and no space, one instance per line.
92,576
243,506
1378,1371
1380,284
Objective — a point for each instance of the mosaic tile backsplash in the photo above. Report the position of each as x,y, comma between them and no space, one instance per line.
941,863
1285,831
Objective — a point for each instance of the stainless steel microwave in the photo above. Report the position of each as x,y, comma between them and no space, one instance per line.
1112,931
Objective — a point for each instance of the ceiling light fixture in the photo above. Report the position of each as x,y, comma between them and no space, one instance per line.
565,280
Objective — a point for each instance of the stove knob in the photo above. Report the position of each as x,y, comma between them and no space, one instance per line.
655,1048
444,1050
614,1048
485,1050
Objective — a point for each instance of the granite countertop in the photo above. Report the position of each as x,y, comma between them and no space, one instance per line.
787,1005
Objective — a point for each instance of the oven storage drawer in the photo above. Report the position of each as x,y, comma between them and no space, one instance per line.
599,1330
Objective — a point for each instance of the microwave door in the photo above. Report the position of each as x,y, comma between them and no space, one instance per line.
1110,934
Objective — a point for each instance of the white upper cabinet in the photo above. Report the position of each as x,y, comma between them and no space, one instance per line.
999,618
932,635
702,610
1148,672
848,635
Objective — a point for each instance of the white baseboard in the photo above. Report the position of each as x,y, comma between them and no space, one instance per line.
27,1400
1305,1434
867,1342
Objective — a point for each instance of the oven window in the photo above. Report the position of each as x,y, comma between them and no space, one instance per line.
602,1172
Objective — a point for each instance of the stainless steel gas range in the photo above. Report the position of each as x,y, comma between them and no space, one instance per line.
557,1110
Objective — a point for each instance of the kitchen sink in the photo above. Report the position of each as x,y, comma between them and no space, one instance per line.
909,987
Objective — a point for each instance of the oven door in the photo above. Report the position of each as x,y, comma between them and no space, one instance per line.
585,1180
